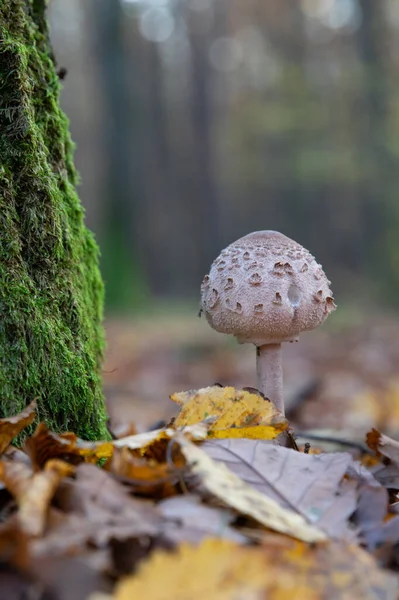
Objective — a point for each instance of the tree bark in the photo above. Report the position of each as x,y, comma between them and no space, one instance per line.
51,292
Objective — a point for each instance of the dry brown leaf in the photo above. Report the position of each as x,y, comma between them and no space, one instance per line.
45,445
237,413
233,491
145,477
156,444
382,532
16,476
33,492
311,485
10,427
383,445
13,545
103,509
285,568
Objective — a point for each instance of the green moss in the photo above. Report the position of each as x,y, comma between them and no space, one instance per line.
51,292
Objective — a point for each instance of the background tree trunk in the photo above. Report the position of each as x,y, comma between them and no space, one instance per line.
51,292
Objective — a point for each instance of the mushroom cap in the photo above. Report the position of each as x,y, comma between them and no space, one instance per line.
266,289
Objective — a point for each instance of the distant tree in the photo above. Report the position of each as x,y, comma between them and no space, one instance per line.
51,292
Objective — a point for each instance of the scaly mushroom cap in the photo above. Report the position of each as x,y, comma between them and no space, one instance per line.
264,289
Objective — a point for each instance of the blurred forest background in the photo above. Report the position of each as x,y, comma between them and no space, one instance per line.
198,121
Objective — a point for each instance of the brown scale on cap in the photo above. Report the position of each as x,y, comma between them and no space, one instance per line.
280,288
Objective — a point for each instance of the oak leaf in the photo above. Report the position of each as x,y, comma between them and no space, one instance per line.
10,427
236,413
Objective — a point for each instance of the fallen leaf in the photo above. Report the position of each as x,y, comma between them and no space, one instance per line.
188,520
237,413
103,508
68,578
45,445
372,504
16,476
388,476
33,492
309,484
145,476
13,545
10,427
285,568
156,444
233,491
386,532
383,445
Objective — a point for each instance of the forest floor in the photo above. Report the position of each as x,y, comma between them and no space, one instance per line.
212,494
345,379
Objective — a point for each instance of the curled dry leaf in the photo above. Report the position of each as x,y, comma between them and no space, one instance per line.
155,444
309,484
33,492
233,491
383,445
10,427
145,476
387,473
45,445
237,413
285,568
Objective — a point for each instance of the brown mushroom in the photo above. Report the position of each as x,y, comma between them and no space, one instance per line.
266,289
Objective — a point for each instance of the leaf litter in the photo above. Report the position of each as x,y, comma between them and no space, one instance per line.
205,507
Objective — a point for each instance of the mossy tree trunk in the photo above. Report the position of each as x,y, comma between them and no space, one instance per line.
51,292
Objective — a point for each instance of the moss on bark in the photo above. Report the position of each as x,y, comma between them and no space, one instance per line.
51,292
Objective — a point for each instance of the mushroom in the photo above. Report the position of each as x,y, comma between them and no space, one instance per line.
266,289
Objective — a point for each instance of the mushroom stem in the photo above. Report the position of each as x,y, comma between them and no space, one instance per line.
269,368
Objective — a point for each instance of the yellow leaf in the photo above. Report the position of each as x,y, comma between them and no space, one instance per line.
216,570
233,491
236,413
284,568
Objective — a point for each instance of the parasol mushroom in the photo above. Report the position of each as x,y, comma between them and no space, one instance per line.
266,289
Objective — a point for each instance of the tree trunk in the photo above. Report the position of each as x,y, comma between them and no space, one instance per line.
51,292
